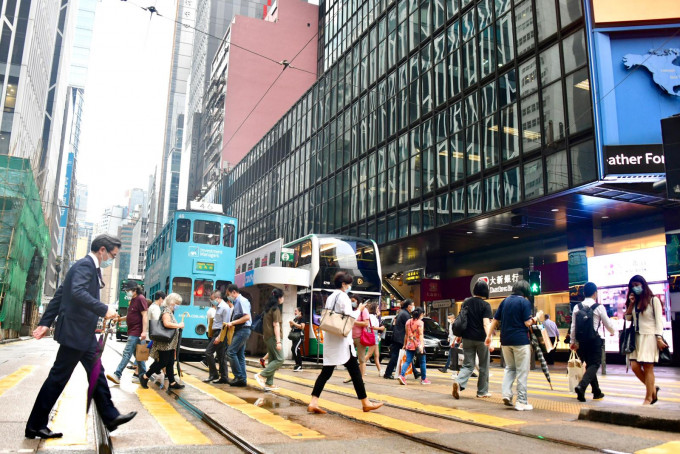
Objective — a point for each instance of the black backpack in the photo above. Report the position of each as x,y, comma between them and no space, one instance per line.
585,331
461,322
257,324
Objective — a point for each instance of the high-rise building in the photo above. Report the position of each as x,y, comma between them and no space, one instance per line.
110,221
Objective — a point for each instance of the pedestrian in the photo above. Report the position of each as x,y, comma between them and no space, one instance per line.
137,325
376,329
398,333
414,344
359,325
339,350
647,316
77,308
478,313
154,313
272,332
163,353
554,335
297,337
454,350
514,315
216,346
588,339
241,321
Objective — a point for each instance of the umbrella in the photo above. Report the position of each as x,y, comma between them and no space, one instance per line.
541,358
179,342
97,366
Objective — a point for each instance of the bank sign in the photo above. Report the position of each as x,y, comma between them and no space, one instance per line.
500,282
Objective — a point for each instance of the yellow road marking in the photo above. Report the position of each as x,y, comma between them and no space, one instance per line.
460,414
70,417
286,427
671,447
178,428
11,380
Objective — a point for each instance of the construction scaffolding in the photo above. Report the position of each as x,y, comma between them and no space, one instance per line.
24,246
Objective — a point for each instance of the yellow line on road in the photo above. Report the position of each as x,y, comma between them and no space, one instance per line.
286,427
671,447
70,417
178,428
11,380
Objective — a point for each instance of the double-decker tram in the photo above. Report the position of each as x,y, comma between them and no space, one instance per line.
193,255
325,255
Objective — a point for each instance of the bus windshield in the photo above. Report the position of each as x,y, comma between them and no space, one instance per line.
358,257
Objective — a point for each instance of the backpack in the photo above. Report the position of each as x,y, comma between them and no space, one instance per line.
461,322
585,331
257,324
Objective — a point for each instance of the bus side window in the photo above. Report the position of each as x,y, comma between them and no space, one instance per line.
228,235
183,230
182,285
305,253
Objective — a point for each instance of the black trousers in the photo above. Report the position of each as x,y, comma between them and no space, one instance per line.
165,359
394,358
219,349
592,355
352,366
550,357
295,349
62,369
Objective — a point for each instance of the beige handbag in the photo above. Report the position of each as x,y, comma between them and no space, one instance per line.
336,323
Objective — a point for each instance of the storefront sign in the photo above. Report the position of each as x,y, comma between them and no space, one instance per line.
440,304
414,276
430,290
500,282
617,269
626,160
634,11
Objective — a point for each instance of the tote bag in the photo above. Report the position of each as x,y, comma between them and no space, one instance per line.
367,338
574,370
159,333
336,323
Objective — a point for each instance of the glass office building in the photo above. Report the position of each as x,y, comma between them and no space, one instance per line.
428,113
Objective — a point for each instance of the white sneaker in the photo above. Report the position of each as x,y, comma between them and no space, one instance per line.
135,379
523,407
271,388
260,380
454,375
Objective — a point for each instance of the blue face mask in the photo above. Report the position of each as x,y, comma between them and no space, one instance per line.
349,289
637,290
231,298
106,263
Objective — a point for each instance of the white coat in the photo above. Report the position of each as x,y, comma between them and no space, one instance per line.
336,349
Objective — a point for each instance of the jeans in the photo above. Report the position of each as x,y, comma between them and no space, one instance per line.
352,366
592,355
129,352
237,353
210,351
275,360
475,349
453,353
410,355
517,360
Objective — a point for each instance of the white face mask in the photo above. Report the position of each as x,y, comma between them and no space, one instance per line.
354,304
128,293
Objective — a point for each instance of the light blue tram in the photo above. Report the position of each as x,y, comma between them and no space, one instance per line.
193,255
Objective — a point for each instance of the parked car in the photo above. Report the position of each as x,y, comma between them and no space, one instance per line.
436,338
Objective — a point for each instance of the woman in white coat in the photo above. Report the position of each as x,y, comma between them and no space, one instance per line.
338,350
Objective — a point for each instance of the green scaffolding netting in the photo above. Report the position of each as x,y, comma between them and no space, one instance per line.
24,240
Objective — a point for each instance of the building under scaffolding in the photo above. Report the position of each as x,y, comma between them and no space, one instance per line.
24,246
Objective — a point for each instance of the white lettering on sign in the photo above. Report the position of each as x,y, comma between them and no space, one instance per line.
622,159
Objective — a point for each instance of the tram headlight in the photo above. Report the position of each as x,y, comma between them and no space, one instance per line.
201,329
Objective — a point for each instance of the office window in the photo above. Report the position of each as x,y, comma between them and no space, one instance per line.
524,27
511,187
429,215
492,190
457,204
557,171
509,133
583,166
578,101
415,219
553,113
533,179
546,19
474,191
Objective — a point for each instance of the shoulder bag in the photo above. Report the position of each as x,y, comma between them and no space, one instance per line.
664,353
159,332
336,323
367,338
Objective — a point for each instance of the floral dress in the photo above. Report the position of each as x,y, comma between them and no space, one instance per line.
164,346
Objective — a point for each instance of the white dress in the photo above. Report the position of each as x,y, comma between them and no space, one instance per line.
336,349
649,325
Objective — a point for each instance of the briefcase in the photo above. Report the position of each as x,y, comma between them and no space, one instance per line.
142,352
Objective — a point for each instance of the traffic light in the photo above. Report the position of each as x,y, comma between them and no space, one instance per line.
535,282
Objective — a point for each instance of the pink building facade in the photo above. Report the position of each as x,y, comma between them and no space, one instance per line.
287,33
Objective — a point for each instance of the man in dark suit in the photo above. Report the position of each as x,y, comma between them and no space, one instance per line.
77,309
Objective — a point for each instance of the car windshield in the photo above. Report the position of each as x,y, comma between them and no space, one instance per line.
433,327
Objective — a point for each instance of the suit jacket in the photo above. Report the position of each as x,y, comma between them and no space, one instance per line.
76,307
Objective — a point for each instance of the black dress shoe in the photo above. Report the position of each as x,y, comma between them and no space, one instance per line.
580,394
388,377
176,386
221,381
120,420
42,433
238,383
211,378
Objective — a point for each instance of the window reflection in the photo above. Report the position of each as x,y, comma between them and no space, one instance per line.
557,171
578,101
553,113
524,27
457,204
492,190
533,179
511,190
474,191
531,123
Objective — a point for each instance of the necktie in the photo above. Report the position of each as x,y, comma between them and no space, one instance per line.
101,279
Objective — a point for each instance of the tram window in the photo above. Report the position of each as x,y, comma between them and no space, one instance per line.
228,235
163,243
305,253
202,291
366,256
182,285
206,232
183,230
221,286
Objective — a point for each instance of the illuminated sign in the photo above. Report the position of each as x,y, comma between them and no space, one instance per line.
626,160
629,11
205,266
500,282
617,269
414,276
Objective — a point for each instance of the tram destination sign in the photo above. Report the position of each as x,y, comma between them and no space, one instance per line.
500,282
205,266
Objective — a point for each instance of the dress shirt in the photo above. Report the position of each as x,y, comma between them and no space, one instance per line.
551,328
221,315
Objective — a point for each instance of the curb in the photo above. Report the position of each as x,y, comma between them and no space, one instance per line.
15,339
627,417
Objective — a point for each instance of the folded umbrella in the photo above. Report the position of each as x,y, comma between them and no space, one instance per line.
541,358
97,366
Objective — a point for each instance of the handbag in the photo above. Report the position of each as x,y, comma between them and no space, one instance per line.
627,339
665,353
367,338
158,331
295,335
574,370
335,322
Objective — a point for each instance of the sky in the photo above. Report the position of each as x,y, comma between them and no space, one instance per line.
125,100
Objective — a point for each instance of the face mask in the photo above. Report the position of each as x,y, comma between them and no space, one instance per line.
354,304
637,290
107,263
349,289
128,294
231,298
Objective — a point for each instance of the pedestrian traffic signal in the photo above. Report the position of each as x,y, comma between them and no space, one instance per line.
535,282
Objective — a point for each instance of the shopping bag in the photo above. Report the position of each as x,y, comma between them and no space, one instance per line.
574,370
401,361
141,352
546,340
461,359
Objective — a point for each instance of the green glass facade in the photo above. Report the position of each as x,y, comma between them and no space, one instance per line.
427,113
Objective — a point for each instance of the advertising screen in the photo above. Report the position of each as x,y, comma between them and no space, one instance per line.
617,269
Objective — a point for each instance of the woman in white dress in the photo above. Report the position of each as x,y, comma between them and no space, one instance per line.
647,316
338,350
